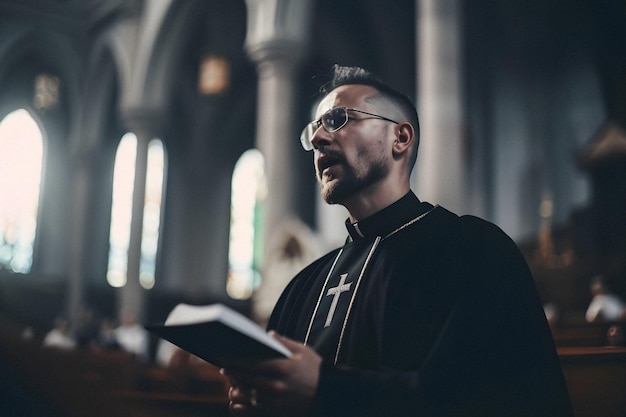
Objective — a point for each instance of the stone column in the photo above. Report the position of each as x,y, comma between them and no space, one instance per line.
440,169
82,175
278,32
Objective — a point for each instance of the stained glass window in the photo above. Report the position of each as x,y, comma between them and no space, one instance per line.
248,193
152,213
21,160
121,211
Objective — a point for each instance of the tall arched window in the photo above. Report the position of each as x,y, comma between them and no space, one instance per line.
155,174
122,206
245,249
21,160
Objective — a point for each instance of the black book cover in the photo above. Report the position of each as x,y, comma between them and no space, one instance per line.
217,334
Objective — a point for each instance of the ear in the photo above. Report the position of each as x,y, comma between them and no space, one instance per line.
405,135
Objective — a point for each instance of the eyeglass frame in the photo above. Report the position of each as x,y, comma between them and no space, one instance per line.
308,131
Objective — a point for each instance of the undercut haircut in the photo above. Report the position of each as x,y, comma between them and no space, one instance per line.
356,75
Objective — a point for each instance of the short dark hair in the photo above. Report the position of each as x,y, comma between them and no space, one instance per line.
356,75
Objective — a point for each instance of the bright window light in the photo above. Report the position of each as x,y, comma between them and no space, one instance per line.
21,160
248,193
121,211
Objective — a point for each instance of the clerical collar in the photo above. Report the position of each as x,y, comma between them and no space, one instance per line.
388,219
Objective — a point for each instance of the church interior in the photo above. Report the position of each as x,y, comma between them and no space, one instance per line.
149,156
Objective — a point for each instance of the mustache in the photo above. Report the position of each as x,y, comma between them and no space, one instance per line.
329,157
329,153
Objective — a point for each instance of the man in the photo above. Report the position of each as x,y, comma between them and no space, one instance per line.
421,313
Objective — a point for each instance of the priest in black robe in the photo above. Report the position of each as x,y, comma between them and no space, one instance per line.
421,312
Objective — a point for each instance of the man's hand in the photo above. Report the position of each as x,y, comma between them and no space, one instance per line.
283,387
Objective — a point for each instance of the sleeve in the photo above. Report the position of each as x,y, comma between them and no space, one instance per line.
491,355
592,311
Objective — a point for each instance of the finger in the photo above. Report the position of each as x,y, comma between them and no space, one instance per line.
254,397
240,395
290,344
244,396
241,410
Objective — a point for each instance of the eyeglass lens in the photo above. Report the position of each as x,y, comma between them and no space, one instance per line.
332,120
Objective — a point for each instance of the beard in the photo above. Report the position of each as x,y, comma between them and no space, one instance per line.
337,190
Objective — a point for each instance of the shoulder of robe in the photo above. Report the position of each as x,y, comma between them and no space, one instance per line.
487,235
474,241
499,261
469,229
313,267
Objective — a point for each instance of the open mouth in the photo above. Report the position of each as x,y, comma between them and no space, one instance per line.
328,160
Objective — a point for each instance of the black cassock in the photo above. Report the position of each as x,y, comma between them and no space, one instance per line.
425,313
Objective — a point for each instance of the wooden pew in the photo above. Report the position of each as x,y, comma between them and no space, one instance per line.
195,391
581,334
46,382
62,383
596,379
82,383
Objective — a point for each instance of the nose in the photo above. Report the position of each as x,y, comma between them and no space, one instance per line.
320,138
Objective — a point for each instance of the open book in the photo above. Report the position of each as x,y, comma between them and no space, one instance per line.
217,334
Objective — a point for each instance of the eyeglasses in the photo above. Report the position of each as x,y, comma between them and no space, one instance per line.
332,121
